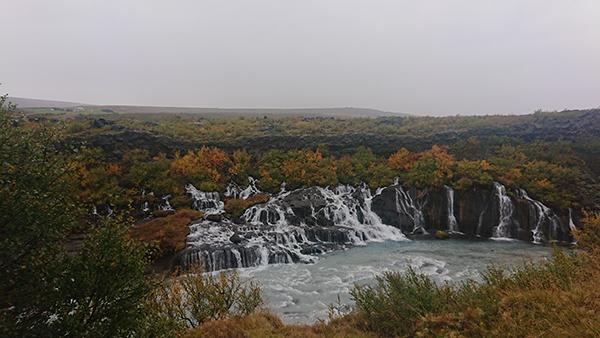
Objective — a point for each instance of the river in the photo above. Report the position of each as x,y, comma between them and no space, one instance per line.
301,293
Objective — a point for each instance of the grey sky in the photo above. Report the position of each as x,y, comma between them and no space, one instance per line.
441,57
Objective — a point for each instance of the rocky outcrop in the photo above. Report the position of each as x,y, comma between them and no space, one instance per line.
480,211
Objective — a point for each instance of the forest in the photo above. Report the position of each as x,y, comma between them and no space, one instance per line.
553,155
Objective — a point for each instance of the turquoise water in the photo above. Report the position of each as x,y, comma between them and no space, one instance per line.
301,293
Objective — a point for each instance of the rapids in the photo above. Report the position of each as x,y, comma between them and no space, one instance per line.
301,293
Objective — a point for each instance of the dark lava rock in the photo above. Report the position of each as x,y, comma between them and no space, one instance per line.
214,217
235,238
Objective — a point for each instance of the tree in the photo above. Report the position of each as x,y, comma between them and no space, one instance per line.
37,211
102,291
401,160
432,169
97,291
240,167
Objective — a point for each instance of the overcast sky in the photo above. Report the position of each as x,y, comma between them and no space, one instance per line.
426,57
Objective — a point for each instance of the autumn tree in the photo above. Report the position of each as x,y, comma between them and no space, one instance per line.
433,168
401,161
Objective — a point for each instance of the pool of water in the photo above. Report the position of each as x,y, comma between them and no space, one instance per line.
301,293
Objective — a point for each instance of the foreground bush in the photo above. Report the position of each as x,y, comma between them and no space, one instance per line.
191,299
558,298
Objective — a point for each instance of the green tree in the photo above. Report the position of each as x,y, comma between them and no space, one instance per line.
102,291
36,213
97,291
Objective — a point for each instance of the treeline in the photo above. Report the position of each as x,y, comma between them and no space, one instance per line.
120,183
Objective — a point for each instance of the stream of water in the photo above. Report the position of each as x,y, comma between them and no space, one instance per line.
301,293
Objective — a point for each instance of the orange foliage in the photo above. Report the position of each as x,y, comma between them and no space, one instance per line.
401,160
113,169
236,206
168,232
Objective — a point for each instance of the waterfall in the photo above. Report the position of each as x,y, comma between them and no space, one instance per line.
145,207
234,191
452,223
291,227
208,202
571,223
544,215
480,223
572,226
407,206
282,188
250,190
166,206
505,209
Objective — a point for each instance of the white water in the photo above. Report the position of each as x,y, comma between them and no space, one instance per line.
571,223
544,215
452,223
207,201
233,190
407,206
268,237
300,293
166,206
505,208
342,208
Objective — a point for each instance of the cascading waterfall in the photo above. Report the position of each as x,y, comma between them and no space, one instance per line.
571,223
572,226
407,206
277,231
544,216
296,226
351,208
234,191
506,209
208,202
452,223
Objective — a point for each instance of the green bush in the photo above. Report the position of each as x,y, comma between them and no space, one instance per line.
538,299
193,298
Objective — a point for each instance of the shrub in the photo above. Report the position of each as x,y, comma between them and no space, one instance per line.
191,299
556,298
169,232
236,206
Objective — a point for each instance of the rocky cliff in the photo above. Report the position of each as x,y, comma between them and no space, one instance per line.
295,226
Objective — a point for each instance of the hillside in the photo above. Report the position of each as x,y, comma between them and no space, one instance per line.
28,105
23,103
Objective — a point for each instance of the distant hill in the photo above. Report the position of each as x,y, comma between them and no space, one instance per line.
41,106
22,102
345,111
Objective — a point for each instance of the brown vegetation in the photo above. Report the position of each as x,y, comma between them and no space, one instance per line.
190,299
236,206
264,324
168,232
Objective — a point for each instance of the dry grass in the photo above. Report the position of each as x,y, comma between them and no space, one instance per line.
168,232
264,324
